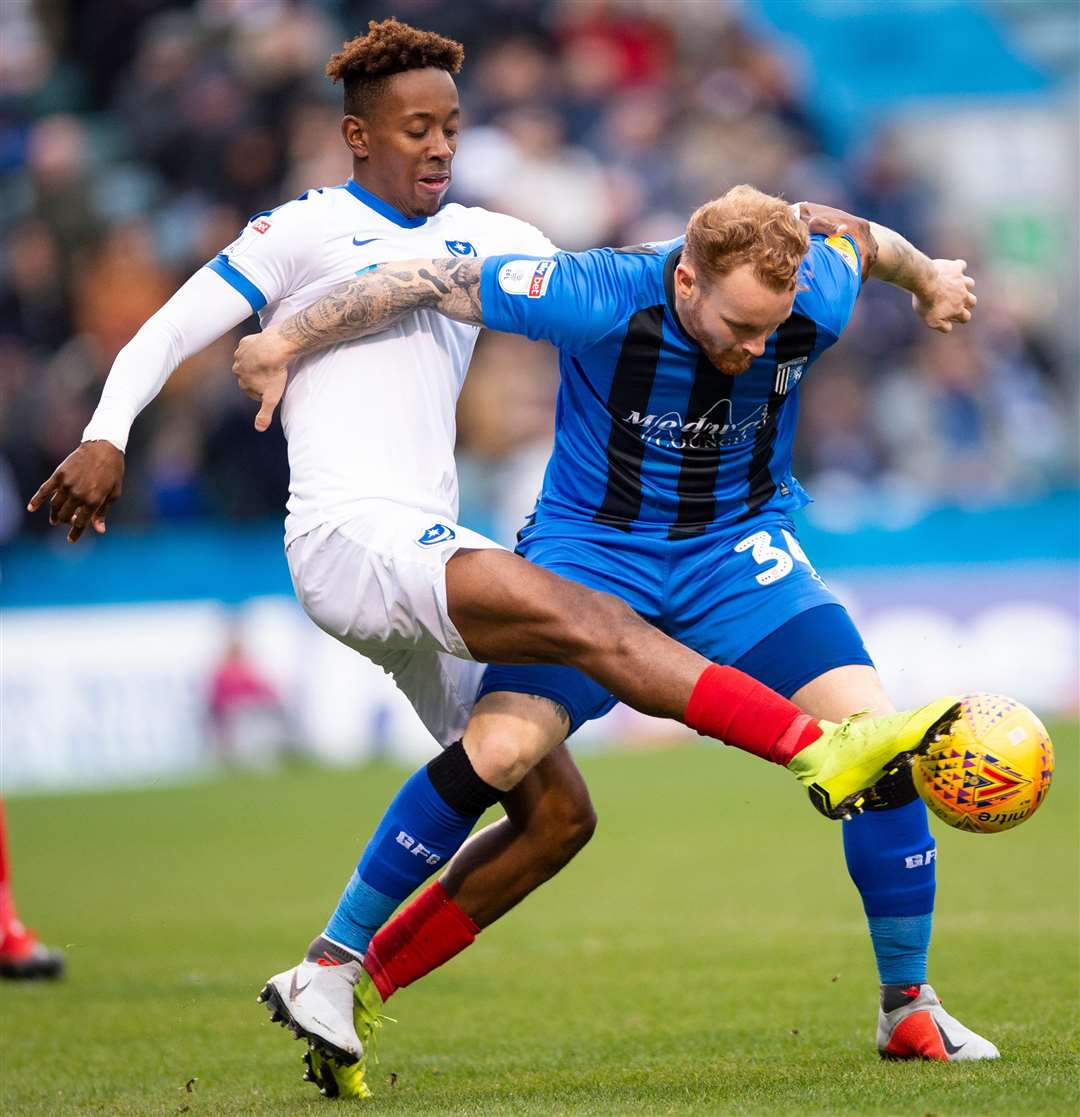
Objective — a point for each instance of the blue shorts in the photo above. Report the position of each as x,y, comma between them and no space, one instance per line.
747,597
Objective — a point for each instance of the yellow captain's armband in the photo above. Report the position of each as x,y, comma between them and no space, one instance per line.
846,249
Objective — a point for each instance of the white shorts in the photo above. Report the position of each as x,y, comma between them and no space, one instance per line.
377,583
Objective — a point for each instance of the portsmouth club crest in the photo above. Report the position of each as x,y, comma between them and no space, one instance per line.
460,248
437,533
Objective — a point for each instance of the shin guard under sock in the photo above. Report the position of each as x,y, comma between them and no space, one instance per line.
425,825
891,858
419,939
734,708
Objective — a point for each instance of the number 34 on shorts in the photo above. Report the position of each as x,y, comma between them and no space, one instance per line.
776,553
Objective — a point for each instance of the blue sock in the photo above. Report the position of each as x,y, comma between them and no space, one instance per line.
891,857
425,825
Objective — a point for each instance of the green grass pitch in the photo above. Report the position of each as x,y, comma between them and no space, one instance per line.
706,954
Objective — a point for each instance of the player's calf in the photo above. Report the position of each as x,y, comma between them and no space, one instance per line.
549,820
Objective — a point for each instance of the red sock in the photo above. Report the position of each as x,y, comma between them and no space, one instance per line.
736,709
7,901
419,939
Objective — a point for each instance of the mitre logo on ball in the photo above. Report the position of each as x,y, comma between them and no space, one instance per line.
991,769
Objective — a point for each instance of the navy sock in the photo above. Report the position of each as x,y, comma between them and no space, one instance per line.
425,825
891,857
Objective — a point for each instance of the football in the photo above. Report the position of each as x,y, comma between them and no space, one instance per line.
990,770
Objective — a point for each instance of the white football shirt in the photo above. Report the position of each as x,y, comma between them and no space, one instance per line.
375,417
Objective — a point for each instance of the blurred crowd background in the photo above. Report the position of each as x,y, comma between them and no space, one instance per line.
136,136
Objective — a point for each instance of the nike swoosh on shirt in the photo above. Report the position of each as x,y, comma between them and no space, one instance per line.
950,1049
368,241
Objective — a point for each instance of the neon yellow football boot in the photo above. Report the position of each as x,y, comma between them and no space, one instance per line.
842,767
334,1079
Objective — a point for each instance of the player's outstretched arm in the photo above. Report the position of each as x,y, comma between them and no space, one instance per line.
365,305
941,290
83,487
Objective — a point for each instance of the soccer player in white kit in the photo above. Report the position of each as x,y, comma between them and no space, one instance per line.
376,554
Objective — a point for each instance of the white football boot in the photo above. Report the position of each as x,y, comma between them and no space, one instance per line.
913,1025
315,1001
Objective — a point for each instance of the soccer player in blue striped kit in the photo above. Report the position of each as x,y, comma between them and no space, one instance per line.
670,486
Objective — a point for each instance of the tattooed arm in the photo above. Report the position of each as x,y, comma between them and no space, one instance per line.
379,298
364,305
941,292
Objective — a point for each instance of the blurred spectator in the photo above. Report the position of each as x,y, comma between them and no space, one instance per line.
118,287
34,296
247,715
969,422
137,136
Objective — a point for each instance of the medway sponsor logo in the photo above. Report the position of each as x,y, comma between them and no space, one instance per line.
708,432
437,533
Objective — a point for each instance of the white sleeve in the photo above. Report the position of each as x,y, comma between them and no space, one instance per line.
273,256
515,235
199,313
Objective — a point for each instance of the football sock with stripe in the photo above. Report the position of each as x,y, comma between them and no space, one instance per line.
420,938
425,825
734,708
891,858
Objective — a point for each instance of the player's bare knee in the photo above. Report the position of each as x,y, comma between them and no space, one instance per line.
497,758
509,734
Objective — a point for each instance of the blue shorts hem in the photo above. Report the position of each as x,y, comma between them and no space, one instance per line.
578,716
803,648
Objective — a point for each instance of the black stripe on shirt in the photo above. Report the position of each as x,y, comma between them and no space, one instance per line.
710,391
794,339
631,387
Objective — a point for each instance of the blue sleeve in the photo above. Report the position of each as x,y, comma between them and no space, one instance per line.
571,299
830,278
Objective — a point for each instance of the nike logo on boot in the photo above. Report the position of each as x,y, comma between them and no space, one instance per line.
950,1048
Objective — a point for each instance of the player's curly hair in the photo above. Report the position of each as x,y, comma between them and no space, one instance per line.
745,226
391,47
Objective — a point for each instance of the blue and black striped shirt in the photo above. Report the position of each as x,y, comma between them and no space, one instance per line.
649,434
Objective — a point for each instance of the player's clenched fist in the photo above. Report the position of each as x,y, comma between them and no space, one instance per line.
260,367
82,488
948,299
